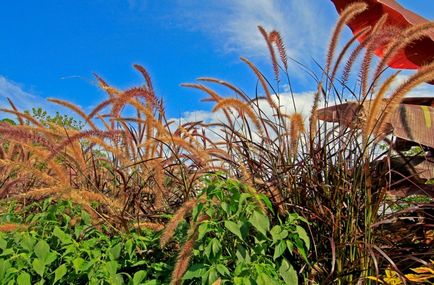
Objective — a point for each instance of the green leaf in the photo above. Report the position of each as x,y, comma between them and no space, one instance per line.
303,235
278,233
115,251
212,275
24,279
223,270
264,279
116,279
59,273
234,228
225,207
78,264
4,266
111,267
27,243
195,271
129,247
85,217
301,249
267,202
202,230
42,249
151,282
39,266
139,276
216,246
288,273
62,236
52,256
260,222
279,249
290,246
3,244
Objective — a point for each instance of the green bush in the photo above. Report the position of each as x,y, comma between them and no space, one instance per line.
238,243
61,246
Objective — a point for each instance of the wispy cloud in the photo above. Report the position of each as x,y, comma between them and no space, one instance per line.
304,24
24,100
14,91
303,104
423,90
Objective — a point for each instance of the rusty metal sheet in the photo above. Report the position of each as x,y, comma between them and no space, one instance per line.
414,123
410,122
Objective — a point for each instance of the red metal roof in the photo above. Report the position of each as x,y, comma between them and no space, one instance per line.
414,55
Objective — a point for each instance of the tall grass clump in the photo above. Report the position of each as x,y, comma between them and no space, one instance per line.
334,175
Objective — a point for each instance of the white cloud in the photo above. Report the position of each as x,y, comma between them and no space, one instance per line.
422,90
303,103
304,24
25,100
22,99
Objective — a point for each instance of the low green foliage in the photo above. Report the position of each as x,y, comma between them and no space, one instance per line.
238,243
62,247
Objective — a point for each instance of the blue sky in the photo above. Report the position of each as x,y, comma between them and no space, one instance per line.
51,48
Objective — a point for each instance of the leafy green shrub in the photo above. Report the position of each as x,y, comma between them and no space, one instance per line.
61,246
237,242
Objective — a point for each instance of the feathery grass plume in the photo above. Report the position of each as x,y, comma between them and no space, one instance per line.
196,154
296,128
242,108
26,167
207,90
20,120
11,227
111,91
384,35
156,122
129,94
2,152
146,75
313,119
214,96
275,38
42,193
347,15
60,171
184,256
160,190
74,108
263,84
175,220
226,84
375,108
374,42
425,74
409,35
347,46
271,50
151,226
84,197
192,140
101,106
104,122
81,135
